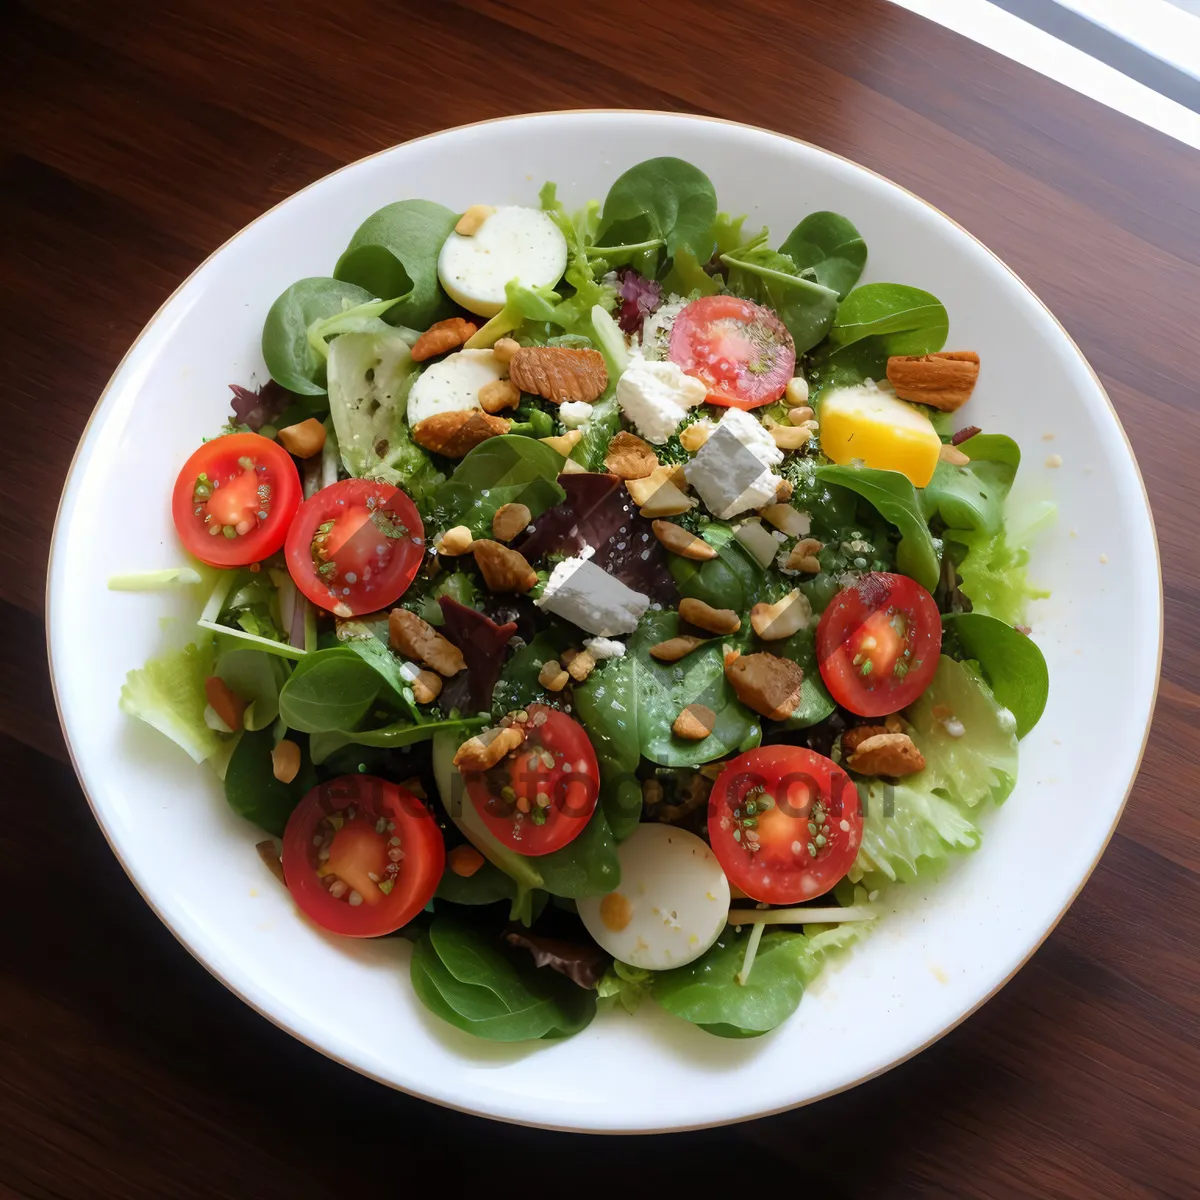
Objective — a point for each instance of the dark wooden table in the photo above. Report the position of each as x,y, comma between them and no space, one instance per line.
135,137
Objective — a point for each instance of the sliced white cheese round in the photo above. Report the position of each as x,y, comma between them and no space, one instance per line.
452,385
513,243
671,905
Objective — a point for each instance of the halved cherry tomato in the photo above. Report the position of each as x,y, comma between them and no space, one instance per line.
234,499
355,546
742,351
878,644
362,856
785,823
541,796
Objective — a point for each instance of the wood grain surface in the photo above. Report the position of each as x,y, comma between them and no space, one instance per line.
135,137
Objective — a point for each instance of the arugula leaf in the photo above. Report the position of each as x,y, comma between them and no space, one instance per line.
876,321
252,790
768,277
394,252
1011,661
329,690
828,245
168,693
972,497
893,496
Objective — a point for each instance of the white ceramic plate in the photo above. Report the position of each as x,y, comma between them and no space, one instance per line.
943,951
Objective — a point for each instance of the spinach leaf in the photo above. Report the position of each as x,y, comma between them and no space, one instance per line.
393,736
972,497
815,702
1011,661
768,277
253,791
893,496
878,320
661,198
488,885
585,866
502,470
286,348
255,677
518,684
329,690
828,245
731,580
394,252
480,986
360,637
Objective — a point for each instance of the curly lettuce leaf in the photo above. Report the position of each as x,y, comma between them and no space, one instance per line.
168,693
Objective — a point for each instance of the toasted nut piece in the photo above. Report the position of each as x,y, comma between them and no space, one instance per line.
552,677
464,860
694,723
673,649
442,336
559,373
303,440
498,395
954,456
224,701
579,663
418,639
571,467
660,494
853,738
652,791
804,556
787,519
768,684
426,687
802,416
488,747
504,350
564,443
667,501
679,541
784,491
455,541
457,433
715,620
509,520
893,724
944,380
892,754
790,437
503,569
629,457
795,395
695,435
285,761
469,223
774,622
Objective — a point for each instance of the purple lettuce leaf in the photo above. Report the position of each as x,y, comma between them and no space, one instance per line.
259,408
637,298
484,645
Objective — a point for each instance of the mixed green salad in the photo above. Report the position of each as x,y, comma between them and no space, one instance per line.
613,603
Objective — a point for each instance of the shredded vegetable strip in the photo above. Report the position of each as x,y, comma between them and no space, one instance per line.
751,950
800,916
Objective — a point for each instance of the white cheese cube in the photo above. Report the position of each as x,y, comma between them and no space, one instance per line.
589,597
731,471
575,413
655,397
601,648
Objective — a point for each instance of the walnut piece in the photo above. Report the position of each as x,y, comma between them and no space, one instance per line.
629,457
694,723
457,433
498,395
503,569
944,380
891,754
488,747
418,639
559,373
788,615
442,336
579,663
768,684
508,520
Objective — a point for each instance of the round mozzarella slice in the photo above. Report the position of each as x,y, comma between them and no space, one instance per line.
672,903
452,385
513,243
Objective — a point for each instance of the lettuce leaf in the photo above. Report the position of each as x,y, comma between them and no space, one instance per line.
168,693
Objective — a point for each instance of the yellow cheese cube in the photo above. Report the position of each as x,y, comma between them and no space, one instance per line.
872,426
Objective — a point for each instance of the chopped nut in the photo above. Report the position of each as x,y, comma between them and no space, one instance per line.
768,684
694,723
509,520
695,435
784,491
774,622
853,738
285,761
464,861
503,569
789,437
498,395
787,519
559,373
455,541
488,747
795,395
944,380
802,416
579,663
457,433
652,791
571,467
952,455
564,443
891,754
673,649
679,541
224,701
504,350
442,336
552,677
893,724
660,493
629,457
418,639
715,620
303,440
469,223
804,556
426,687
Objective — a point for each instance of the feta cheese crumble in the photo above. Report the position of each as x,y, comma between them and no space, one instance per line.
732,470
580,592
575,413
602,648
655,397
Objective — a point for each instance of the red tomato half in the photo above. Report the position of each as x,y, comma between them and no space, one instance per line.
742,351
362,856
234,499
878,644
355,546
540,797
785,823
